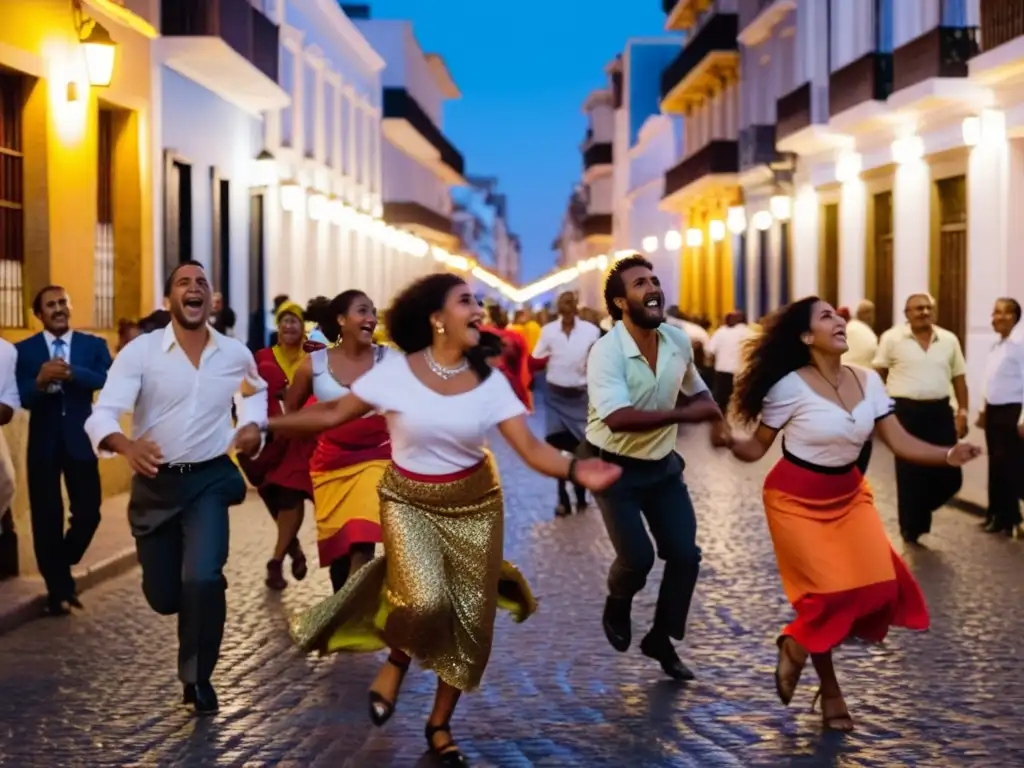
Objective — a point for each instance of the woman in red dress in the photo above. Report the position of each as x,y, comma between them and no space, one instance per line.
281,472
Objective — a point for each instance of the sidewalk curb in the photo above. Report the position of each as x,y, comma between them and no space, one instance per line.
91,576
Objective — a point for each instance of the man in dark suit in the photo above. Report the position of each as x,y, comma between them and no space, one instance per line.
58,371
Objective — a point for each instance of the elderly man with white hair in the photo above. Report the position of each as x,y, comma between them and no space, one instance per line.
861,338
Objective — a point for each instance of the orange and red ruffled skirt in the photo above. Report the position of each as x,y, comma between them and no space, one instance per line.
838,568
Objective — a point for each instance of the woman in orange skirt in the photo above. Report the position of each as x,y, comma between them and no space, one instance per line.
838,569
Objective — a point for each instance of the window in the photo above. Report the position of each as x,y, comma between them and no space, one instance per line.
951,274
828,259
103,257
177,211
882,280
309,109
12,220
288,83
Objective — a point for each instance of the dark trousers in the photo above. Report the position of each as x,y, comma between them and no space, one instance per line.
183,557
1005,464
922,490
566,441
57,548
339,568
653,491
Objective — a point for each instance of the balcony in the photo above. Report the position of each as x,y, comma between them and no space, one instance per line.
715,165
707,59
683,14
227,46
432,226
801,122
758,19
409,127
857,92
1002,40
596,154
596,225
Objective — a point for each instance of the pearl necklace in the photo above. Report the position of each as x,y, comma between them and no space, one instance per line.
441,371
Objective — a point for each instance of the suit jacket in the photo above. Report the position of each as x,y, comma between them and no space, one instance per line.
58,418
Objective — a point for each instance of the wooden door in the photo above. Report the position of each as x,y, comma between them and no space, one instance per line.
952,257
882,289
828,257
220,199
257,278
12,214
177,212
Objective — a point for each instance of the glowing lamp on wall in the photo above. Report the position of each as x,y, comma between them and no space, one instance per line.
317,207
781,207
291,196
694,238
650,244
762,221
673,240
848,167
736,220
716,230
100,52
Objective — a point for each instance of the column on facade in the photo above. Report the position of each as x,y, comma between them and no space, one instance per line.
911,211
804,229
995,199
852,241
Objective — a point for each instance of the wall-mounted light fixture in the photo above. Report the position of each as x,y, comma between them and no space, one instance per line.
716,230
98,47
848,167
650,244
762,221
781,207
694,238
673,240
736,219
291,196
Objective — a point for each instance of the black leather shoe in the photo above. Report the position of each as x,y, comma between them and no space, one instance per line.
74,602
617,625
56,607
201,697
658,647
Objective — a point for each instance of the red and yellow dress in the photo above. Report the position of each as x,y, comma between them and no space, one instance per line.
346,468
838,568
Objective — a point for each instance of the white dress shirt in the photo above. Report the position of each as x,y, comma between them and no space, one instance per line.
567,354
1004,373
862,343
727,346
183,409
8,382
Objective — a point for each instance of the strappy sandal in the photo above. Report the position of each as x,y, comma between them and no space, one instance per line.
381,709
781,683
840,722
448,754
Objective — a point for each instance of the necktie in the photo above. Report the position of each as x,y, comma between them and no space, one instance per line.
60,348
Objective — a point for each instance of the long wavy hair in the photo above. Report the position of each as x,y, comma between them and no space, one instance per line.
409,317
776,352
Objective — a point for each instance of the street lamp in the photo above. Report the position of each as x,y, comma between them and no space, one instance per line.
100,49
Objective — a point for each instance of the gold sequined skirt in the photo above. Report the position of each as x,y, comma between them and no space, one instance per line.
436,591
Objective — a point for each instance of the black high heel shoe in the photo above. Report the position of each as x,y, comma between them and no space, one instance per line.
449,754
381,709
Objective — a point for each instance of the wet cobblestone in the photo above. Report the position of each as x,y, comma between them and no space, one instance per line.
99,689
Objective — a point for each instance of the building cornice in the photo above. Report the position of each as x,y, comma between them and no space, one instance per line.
350,33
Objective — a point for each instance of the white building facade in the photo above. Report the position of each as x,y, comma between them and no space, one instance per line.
210,98
908,119
420,164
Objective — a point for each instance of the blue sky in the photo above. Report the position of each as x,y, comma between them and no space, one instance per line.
524,69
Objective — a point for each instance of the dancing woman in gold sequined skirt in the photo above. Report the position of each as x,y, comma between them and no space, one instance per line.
434,595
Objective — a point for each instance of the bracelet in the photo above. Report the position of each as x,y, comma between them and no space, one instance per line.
949,453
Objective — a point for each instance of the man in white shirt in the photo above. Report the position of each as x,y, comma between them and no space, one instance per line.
726,350
180,383
1003,420
10,401
861,339
564,346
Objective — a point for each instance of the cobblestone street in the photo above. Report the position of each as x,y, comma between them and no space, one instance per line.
99,688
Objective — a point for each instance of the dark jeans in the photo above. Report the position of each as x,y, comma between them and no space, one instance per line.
653,491
183,558
1005,464
56,549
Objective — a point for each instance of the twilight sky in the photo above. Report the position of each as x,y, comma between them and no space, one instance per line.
524,68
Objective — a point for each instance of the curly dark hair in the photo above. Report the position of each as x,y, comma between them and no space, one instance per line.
409,317
327,312
774,353
615,288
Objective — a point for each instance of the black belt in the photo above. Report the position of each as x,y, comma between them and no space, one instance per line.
186,467
623,461
567,392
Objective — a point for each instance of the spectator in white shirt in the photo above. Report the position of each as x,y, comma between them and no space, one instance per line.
726,350
1001,418
180,383
10,401
860,338
564,346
